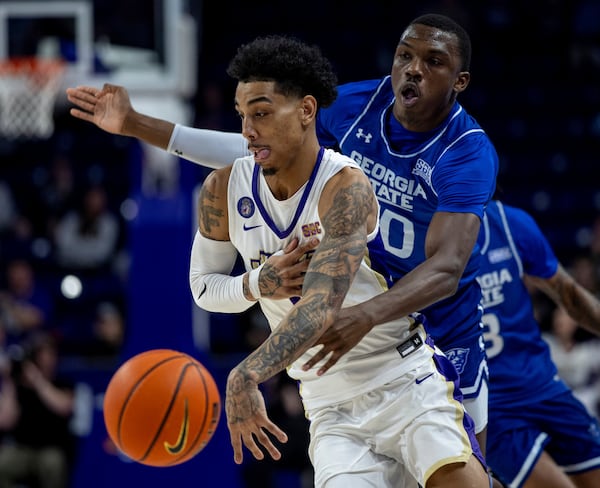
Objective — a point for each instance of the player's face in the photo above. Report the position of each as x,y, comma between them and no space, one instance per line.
272,124
426,77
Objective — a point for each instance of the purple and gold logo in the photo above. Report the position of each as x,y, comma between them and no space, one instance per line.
245,207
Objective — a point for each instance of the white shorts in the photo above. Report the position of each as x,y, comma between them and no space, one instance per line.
478,408
397,435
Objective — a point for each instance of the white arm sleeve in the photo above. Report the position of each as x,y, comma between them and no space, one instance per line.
211,148
212,287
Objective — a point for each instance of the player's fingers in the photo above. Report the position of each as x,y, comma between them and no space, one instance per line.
329,363
315,359
277,432
80,114
291,246
236,444
306,246
300,267
251,445
85,93
266,442
81,103
293,284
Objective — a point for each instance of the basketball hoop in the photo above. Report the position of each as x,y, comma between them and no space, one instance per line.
28,91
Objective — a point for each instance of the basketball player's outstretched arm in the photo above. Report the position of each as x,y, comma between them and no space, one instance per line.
111,110
579,302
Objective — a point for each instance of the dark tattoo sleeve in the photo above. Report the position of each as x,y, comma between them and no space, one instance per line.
328,278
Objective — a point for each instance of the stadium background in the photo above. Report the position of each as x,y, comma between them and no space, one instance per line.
534,89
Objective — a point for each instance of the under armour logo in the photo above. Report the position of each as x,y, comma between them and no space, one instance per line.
367,137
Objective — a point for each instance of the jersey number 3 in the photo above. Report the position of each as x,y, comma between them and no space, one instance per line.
494,343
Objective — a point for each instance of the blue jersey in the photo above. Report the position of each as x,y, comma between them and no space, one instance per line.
530,409
450,169
519,361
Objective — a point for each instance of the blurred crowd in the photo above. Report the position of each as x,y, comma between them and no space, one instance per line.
62,243
63,266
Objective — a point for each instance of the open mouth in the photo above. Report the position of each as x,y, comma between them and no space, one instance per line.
260,154
409,93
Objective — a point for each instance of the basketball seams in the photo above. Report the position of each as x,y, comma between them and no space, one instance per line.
136,385
207,413
167,413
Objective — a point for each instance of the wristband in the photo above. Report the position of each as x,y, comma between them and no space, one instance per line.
253,282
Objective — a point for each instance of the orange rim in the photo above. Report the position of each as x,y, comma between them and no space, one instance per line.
24,65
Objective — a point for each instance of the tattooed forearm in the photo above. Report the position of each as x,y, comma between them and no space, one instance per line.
293,337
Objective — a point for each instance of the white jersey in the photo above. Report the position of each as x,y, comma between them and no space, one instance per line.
260,225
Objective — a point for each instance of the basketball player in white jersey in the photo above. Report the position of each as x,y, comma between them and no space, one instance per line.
389,413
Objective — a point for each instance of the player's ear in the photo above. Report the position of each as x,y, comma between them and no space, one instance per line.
309,109
462,81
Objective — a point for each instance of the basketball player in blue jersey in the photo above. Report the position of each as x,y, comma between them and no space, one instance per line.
433,169
369,424
540,435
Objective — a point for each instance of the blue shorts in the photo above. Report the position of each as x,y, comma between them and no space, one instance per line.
470,361
560,425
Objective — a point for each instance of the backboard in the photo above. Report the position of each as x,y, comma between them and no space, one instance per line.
149,46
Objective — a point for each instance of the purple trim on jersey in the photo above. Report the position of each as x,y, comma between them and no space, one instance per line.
282,234
448,371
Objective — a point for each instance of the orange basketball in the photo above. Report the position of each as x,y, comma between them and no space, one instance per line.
161,407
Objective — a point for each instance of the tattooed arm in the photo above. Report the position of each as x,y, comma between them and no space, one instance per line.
579,303
348,209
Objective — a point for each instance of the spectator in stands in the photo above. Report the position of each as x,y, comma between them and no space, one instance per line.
57,194
582,268
26,305
99,336
87,237
36,407
595,248
16,229
7,208
577,358
108,331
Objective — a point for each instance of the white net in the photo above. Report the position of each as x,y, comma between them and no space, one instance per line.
28,91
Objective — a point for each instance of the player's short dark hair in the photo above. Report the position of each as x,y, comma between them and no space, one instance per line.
297,69
446,24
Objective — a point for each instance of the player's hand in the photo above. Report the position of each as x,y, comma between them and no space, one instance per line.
247,419
349,328
282,275
107,108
